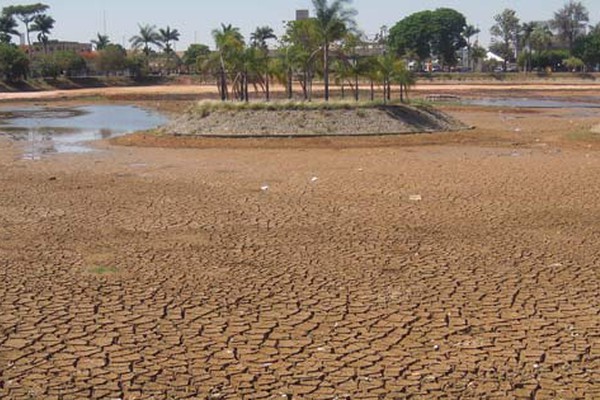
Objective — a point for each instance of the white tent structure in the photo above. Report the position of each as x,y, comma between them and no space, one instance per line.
493,57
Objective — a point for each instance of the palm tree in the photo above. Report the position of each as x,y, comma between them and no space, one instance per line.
468,33
147,36
8,28
259,37
26,14
43,24
230,44
528,28
392,69
351,64
167,36
101,41
333,20
302,45
570,22
282,68
541,38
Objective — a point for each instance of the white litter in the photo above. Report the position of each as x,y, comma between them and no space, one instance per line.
415,197
264,188
314,179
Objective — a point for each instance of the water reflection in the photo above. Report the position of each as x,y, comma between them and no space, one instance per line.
67,130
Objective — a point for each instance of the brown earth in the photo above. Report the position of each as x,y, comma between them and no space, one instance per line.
454,265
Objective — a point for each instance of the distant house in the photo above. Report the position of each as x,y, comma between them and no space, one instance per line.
54,46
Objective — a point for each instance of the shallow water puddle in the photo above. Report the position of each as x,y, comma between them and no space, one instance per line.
530,103
68,130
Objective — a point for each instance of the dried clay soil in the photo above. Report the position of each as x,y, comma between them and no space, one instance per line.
168,273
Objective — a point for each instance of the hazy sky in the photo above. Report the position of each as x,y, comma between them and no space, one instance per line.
80,20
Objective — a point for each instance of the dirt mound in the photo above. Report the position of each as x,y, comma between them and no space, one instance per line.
273,121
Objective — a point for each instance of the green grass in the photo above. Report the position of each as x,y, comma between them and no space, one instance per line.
205,108
103,270
584,135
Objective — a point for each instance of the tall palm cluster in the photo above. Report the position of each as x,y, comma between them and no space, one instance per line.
327,46
34,19
149,36
150,39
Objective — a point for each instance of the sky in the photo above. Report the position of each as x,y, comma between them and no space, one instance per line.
81,20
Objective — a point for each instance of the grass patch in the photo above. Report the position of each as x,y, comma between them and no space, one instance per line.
205,108
103,270
584,136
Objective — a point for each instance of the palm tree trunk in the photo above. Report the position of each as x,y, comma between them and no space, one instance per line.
289,84
305,85
372,90
343,90
246,91
356,87
310,86
389,90
267,89
326,70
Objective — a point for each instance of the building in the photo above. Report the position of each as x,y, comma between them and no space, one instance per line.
302,15
54,46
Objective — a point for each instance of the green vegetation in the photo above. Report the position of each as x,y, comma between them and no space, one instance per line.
328,48
14,64
27,14
103,270
505,34
438,32
205,108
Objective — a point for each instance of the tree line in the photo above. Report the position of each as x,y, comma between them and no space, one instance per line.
328,47
565,43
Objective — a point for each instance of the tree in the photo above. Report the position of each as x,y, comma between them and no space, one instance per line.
26,14
427,33
193,54
412,35
145,38
302,43
101,41
230,45
259,37
478,54
468,33
43,24
527,28
447,27
574,64
332,21
505,35
390,69
587,48
258,40
14,64
111,58
570,22
166,36
541,38
8,28
60,62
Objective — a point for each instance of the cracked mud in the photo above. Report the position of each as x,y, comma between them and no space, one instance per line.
426,272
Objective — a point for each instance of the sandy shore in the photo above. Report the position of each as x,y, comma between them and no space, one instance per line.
455,265
211,90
